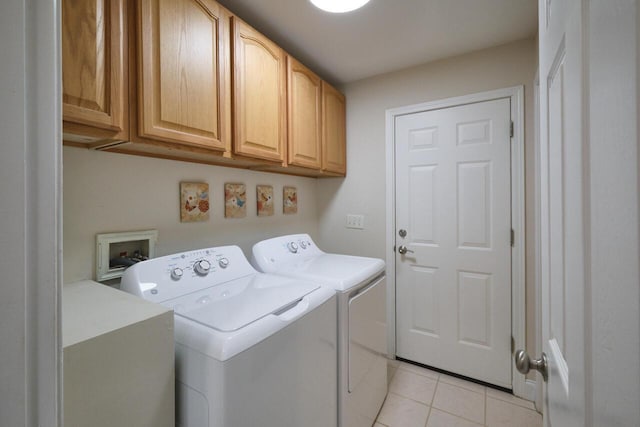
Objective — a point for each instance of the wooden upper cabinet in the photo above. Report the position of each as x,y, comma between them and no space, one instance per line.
183,75
259,102
334,136
185,79
94,78
304,96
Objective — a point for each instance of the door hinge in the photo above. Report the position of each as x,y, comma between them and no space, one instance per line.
513,237
513,345
511,129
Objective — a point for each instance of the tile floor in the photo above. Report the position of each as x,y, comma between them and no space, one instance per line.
420,397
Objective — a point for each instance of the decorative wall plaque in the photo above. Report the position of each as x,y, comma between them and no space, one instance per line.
194,201
264,196
235,200
289,200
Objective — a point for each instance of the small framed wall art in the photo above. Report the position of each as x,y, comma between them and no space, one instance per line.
264,196
194,201
235,200
289,200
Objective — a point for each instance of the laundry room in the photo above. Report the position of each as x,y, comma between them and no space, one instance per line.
113,188
281,213
107,192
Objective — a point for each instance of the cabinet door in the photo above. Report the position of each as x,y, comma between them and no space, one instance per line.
304,93
334,136
183,72
94,83
259,94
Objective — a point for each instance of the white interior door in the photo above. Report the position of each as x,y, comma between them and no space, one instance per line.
453,199
562,212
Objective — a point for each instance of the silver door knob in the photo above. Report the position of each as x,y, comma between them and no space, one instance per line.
403,249
524,363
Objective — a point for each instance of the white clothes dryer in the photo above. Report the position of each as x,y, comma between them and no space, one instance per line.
360,284
252,349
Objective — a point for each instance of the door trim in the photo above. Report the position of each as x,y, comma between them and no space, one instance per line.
31,225
518,309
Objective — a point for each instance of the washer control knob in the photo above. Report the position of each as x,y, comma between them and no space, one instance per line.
303,244
223,262
176,273
202,267
293,247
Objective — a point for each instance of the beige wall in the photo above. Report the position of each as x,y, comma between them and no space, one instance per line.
363,190
107,192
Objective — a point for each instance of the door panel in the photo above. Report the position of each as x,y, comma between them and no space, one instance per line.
588,56
422,181
425,311
364,385
453,197
304,111
556,196
334,130
259,94
474,205
94,81
183,76
474,290
562,211
367,333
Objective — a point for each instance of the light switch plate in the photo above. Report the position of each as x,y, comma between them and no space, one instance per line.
355,221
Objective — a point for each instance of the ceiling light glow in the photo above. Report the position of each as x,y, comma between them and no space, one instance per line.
339,6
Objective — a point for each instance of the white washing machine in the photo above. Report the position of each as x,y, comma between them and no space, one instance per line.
252,349
360,284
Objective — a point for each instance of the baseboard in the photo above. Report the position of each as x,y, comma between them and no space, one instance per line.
530,387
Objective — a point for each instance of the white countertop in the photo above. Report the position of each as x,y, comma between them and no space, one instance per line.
90,309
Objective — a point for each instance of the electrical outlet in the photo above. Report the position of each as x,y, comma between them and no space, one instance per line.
355,221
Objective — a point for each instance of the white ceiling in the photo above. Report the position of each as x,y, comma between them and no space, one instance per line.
386,35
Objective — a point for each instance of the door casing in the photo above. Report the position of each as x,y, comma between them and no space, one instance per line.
520,387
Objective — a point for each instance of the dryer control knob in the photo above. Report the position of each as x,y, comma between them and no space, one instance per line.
293,247
202,267
303,244
176,273
223,262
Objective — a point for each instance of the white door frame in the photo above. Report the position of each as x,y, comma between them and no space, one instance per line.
518,313
537,267
30,214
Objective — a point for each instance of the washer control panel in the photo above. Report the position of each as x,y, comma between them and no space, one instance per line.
195,263
299,245
269,254
163,278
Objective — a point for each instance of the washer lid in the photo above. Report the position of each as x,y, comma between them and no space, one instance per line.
238,303
342,272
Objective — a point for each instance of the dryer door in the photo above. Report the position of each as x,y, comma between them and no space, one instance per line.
368,336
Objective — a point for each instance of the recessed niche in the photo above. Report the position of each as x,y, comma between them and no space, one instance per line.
117,251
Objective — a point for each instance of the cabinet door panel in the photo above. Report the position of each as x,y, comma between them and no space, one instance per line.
259,95
93,66
303,113
183,72
334,138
